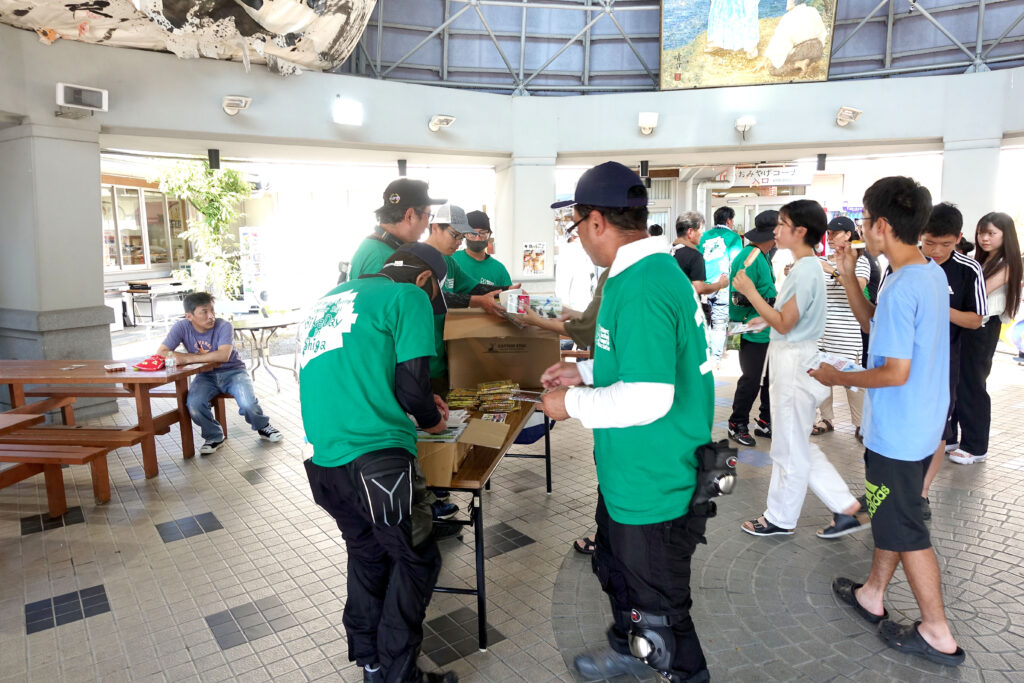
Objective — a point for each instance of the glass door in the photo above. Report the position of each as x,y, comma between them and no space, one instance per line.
129,223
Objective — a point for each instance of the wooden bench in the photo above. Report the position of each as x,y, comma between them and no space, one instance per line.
30,460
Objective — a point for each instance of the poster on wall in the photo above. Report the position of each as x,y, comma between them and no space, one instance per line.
712,43
533,257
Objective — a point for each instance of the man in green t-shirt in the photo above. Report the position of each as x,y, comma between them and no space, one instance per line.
402,219
475,261
719,245
753,345
650,404
447,231
364,366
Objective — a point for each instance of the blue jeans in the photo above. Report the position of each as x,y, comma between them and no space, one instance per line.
719,324
206,385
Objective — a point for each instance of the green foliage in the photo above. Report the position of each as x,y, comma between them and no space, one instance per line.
216,196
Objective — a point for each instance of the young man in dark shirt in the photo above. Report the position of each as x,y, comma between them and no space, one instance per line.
967,308
689,228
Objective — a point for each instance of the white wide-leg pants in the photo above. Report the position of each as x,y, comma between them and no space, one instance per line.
796,462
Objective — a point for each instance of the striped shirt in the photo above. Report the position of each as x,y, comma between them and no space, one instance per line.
842,331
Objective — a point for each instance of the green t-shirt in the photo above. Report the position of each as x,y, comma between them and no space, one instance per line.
457,282
369,258
719,245
651,329
760,273
355,336
490,271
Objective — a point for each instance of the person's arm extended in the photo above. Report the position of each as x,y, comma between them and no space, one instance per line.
704,288
221,355
782,321
412,389
893,373
164,350
966,319
553,324
997,280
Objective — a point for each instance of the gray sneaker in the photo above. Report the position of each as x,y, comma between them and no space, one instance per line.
607,663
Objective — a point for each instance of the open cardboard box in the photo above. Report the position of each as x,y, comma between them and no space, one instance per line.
484,348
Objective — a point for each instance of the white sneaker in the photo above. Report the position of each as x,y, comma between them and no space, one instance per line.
270,434
964,458
950,447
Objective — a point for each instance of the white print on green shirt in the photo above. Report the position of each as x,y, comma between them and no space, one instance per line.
603,338
331,317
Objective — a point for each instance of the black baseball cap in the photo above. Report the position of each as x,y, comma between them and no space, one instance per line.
607,185
842,223
478,220
421,255
408,192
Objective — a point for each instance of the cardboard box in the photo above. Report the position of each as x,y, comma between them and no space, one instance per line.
484,348
439,461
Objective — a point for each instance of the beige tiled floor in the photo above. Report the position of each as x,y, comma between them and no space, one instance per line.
276,541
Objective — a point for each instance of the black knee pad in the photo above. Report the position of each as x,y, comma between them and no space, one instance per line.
651,640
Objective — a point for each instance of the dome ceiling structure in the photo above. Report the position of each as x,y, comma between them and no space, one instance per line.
287,35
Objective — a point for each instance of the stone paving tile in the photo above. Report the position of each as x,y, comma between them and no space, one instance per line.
763,607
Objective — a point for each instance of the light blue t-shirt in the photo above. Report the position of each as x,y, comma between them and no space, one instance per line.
911,321
806,282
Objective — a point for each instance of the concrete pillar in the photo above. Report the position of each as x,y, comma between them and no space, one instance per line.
970,171
51,269
525,190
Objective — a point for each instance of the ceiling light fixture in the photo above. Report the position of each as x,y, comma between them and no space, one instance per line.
232,104
648,121
347,112
439,121
847,115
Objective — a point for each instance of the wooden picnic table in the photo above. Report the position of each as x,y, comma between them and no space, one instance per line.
88,378
12,423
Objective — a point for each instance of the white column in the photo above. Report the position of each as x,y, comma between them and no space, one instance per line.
51,268
525,190
969,178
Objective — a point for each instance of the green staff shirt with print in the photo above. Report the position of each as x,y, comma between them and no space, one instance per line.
651,329
760,273
354,338
719,246
369,258
457,282
490,271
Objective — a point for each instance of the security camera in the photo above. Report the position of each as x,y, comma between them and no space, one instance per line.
439,121
744,124
847,115
232,104
648,121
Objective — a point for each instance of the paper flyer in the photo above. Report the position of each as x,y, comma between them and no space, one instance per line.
533,257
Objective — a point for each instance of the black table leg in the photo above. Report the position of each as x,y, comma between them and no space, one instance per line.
547,450
481,597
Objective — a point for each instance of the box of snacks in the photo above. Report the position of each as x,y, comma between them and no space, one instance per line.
485,348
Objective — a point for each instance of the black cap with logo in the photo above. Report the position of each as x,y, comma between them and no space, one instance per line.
408,192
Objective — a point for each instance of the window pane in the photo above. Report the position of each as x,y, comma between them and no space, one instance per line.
180,247
129,223
156,227
109,230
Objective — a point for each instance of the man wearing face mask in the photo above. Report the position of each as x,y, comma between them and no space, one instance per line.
364,366
402,219
475,261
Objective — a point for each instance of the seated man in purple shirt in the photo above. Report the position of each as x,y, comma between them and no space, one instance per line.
207,338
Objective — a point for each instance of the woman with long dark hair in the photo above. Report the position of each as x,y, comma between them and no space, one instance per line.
998,252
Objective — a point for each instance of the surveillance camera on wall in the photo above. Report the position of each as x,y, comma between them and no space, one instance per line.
232,104
744,124
439,121
81,97
847,115
648,121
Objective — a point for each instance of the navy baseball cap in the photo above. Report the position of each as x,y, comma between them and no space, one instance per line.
607,185
420,255
842,224
408,192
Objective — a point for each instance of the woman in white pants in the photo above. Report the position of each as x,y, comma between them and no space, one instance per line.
797,322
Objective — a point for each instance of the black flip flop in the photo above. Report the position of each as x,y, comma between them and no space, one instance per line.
908,639
588,547
844,588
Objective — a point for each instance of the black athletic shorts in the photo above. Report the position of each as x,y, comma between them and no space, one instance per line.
895,503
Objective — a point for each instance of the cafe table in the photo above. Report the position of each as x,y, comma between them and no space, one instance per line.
89,378
261,332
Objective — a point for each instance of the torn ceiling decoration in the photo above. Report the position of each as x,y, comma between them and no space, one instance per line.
287,35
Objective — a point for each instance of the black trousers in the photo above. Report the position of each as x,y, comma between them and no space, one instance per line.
973,404
378,503
753,357
647,567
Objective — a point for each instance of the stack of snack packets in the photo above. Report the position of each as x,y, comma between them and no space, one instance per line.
496,397
462,398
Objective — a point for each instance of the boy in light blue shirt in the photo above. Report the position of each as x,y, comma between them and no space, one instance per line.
908,396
